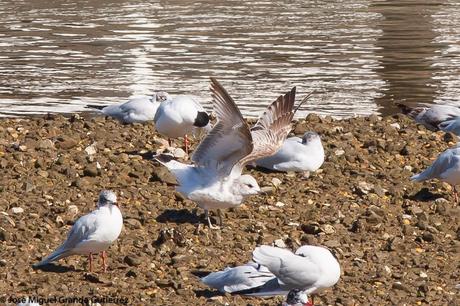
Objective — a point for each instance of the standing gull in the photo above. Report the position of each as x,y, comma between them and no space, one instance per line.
92,233
277,271
431,117
179,117
445,168
296,154
215,180
136,110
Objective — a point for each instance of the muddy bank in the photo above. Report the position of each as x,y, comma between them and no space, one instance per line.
397,241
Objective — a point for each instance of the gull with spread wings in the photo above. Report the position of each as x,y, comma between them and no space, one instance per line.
215,179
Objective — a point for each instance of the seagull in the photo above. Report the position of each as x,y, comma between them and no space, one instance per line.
92,233
179,117
304,154
445,168
452,126
215,179
431,117
136,110
277,271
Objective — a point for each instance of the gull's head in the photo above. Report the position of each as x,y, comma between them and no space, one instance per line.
310,137
248,185
297,297
107,197
162,96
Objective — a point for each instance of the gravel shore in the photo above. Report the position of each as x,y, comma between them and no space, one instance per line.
398,242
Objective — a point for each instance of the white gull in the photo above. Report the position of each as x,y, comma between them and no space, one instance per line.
92,233
296,154
445,168
215,179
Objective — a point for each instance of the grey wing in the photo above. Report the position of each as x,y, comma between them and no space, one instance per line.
229,140
441,164
239,278
81,230
292,271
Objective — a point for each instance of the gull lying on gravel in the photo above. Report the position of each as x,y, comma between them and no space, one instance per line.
445,168
92,233
215,180
179,117
452,126
296,154
431,117
136,110
277,271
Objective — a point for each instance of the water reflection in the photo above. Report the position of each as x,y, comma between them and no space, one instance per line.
359,55
406,49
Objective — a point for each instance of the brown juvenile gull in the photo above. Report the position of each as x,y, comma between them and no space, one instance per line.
215,179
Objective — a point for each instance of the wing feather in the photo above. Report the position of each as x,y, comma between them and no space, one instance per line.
272,128
229,140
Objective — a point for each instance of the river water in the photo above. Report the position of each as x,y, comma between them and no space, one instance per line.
359,56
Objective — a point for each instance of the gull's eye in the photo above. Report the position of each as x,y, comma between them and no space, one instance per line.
250,185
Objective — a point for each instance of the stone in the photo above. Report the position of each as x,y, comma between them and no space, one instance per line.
132,261
17,210
279,243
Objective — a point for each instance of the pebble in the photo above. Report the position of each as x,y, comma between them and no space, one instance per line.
276,182
339,152
179,153
279,243
91,150
132,261
279,204
17,210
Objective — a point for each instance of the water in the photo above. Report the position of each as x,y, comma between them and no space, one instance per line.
358,55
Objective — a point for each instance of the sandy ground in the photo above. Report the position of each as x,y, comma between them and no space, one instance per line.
398,242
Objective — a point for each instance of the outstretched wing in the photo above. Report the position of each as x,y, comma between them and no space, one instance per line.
229,140
272,128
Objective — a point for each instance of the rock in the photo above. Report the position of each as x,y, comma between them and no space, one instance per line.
179,153
162,174
395,125
4,235
339,152
66,143
328,229
132,261
90,170
428,237
312,228
279,243
279,204
276,182
45,144
91,150
17,210
268,190
134,223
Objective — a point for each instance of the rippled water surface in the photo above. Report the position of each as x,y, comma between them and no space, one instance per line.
358,55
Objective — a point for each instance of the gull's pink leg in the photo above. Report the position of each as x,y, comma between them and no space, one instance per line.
186,143
104,258
90,259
